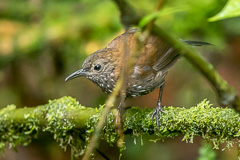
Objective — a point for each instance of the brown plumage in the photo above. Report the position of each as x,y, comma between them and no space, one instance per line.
104,66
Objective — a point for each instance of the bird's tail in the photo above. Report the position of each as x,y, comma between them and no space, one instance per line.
197,43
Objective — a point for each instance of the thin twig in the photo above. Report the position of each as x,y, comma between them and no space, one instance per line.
96,135
124,75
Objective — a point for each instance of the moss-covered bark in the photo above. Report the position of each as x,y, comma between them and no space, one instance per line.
70,123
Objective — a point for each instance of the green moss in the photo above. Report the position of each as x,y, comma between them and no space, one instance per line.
216,125
20,126
61,126
72,124
13,131
109,133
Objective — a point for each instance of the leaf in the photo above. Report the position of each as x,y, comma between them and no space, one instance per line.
231,9
151,17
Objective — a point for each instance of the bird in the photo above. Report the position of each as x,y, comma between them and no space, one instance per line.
153,61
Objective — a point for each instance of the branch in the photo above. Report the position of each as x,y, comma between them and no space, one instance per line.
72,124
226,94
129,15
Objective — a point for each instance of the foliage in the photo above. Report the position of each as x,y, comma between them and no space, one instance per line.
232,9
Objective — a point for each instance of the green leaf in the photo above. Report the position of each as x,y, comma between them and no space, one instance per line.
231,9
151,17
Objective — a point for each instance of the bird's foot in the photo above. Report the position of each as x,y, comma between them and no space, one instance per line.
156,113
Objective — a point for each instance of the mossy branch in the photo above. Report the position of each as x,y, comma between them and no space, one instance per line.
72,124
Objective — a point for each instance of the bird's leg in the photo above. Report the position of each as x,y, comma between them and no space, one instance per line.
159,106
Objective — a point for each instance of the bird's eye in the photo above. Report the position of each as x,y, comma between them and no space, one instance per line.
97,67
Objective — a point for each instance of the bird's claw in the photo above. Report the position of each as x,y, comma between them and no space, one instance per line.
156,113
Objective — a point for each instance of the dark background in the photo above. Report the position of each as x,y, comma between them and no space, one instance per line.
43,41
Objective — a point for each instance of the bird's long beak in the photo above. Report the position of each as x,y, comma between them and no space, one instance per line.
76,74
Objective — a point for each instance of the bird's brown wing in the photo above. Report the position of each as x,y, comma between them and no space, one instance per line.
155,55
165,56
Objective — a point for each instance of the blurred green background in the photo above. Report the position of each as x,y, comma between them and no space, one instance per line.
43,41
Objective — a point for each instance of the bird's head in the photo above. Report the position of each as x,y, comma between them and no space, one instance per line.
99,67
